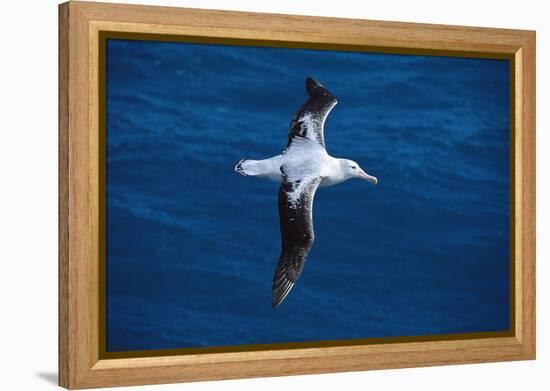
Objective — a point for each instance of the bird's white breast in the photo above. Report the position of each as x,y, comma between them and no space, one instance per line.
308,159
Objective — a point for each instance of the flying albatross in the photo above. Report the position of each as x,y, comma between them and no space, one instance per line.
303,166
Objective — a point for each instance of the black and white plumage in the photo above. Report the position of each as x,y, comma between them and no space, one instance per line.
304,166
309,120
296,224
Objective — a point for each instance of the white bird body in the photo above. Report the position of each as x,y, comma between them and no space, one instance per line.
303,158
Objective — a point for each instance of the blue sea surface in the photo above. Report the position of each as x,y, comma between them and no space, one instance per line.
192,245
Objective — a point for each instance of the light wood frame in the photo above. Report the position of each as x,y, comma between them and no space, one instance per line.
80,24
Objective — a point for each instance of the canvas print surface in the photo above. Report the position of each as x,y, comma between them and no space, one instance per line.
209,245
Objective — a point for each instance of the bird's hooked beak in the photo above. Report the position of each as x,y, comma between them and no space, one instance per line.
367,177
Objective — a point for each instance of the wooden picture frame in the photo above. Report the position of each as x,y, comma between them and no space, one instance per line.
81,25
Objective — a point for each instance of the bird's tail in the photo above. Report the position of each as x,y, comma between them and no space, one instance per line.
240,168
251,167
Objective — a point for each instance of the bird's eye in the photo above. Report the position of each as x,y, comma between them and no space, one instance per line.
353,167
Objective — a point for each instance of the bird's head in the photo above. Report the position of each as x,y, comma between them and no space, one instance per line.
351,169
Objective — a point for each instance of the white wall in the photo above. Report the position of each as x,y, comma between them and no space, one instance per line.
28,194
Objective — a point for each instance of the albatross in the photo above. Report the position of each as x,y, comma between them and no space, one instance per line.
301,168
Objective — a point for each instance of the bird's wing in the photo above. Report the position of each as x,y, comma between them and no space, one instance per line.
309,120
296,223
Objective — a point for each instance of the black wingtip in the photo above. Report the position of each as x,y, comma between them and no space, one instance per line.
315,89
276,299
312,84
279,297
282,286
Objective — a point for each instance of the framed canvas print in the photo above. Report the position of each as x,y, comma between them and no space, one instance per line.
247,195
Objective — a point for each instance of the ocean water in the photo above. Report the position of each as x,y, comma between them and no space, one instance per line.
192,245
